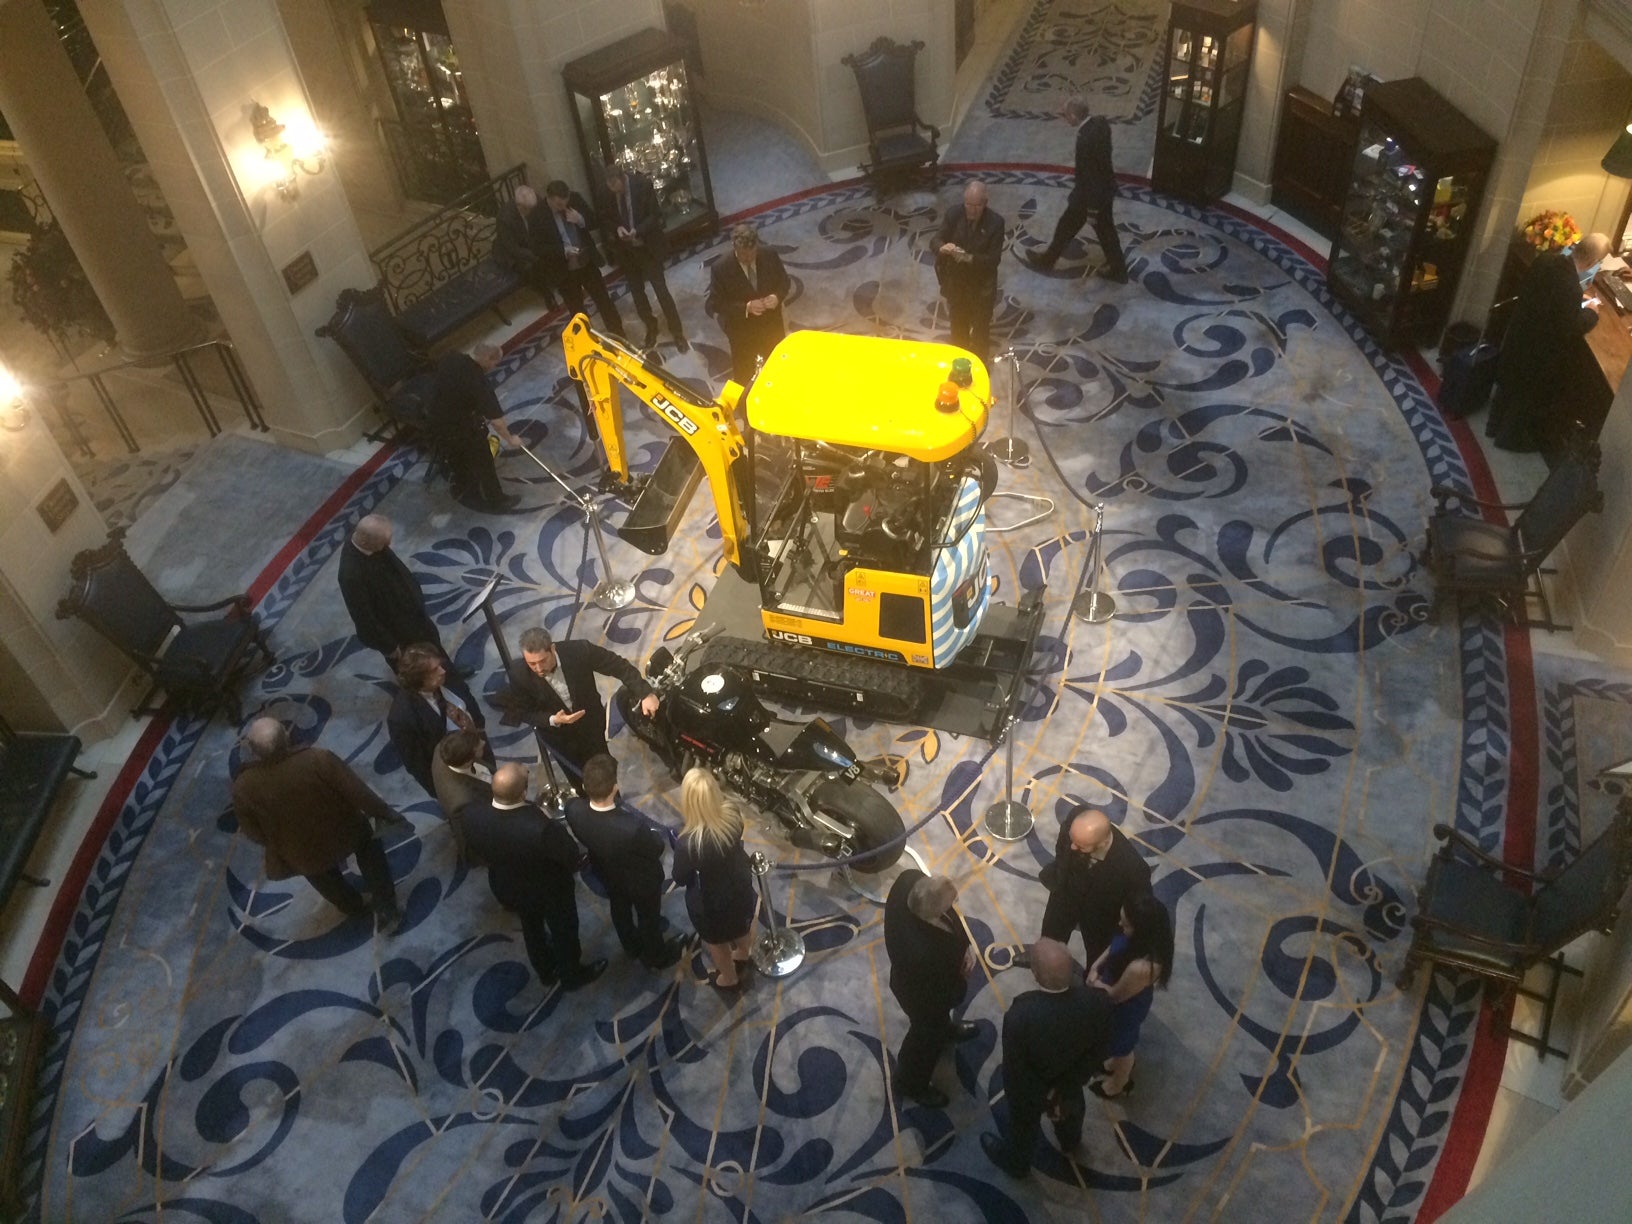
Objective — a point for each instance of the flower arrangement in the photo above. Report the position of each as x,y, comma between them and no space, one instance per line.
1551,231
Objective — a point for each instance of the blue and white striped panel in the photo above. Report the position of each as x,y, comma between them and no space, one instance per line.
952,566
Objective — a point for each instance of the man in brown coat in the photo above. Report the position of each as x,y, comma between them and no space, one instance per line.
311,814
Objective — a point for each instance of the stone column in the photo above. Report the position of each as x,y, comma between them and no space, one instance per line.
85,186
1277,54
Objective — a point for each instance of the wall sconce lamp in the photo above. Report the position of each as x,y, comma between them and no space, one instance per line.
306,154
13,409
1618,161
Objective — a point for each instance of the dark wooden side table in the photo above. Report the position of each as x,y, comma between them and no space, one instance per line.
22,1040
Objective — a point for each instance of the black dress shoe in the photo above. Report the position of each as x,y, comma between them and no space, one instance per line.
965,1030
651,336
505,503
997,1151
928,1095
583,975
1042,263
680,344
387,918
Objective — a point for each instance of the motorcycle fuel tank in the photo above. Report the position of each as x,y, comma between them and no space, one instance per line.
718,704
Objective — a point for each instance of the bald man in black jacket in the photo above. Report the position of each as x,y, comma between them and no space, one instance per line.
1095,872
1054,1039
532,870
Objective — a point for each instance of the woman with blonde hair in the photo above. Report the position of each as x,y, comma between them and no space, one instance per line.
710,863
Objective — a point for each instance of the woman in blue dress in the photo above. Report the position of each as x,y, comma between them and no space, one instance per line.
1139,959
710,863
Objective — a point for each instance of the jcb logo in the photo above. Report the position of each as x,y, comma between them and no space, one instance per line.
798,639
679,419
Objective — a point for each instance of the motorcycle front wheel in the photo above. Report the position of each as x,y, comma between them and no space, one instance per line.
870,815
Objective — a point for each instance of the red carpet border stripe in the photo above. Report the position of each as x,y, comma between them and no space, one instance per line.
73,881
1483,1075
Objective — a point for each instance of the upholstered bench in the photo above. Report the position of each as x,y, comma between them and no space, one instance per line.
457,301
33,767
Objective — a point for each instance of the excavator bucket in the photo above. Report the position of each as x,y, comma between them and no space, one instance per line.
662,503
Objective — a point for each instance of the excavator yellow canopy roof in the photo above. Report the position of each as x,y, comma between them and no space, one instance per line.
868,391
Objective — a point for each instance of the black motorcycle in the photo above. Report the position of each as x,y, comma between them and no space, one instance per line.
803,774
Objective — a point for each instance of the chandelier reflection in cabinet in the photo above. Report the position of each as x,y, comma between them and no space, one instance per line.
433,139
633,105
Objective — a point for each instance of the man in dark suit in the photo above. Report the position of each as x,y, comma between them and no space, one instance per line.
564,237
311,813
967,250
626,851
552,686
930,958
461,777
1092,191
386,605
632,222
1549,322
1095,872
532,865
515,244
463,407
746,292
425,709
1054,1039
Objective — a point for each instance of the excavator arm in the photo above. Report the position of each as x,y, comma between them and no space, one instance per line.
606,368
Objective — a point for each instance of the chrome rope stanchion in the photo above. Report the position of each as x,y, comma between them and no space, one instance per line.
1008,820
1090,603
779,950
1012,450
610,593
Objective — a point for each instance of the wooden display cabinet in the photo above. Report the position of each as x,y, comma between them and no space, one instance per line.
633,103
1414,191
1198,122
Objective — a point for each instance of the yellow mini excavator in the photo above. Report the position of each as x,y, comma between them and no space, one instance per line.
851,507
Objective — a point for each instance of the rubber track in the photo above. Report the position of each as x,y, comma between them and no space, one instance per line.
830,680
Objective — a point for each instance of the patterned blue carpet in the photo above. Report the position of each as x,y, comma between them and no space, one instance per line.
1269,717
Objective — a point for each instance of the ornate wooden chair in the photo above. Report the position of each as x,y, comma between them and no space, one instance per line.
399,373
200,664
1468,555
1476,914
898,142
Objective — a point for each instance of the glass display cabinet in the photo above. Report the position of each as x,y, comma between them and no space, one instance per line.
1414,192
633,104
1198,120
433,139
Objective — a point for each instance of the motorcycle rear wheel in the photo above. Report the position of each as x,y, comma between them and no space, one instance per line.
872,817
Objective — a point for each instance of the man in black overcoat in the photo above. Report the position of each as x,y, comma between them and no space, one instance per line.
626,851
564,236
532,865
930,959
1092,191
1054,1040
463,407
387,607
1095,872
747,288
552,686
1548,321
967,250
632,223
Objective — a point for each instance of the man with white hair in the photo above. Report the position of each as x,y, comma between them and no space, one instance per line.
310,813
1054,1038
386,605
930,960
1093,191
515,241
1546,339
